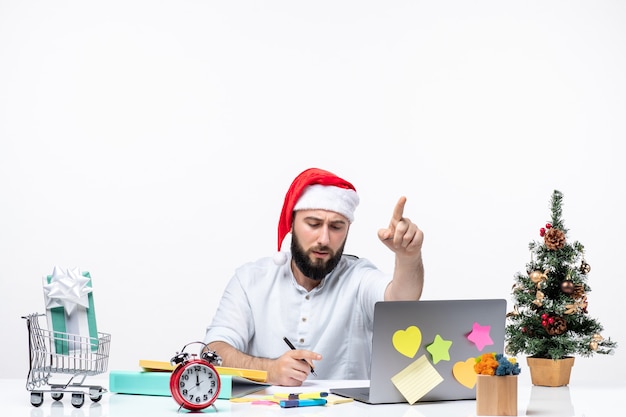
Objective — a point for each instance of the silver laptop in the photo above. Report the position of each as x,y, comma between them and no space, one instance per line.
462,326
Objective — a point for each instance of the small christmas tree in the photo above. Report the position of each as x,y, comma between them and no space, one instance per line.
550,317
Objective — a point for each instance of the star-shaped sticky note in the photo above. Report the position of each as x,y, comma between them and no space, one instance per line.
480,336
439,349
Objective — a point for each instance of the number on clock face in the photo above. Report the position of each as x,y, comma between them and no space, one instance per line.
197,384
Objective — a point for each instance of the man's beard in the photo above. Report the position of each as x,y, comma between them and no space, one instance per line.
317,269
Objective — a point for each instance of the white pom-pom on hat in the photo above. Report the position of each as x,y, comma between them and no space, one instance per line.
280,258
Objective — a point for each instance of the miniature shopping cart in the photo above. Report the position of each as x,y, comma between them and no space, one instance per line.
53,352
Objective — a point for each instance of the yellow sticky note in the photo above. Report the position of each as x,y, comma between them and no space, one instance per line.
417,379
407,341
156,366
333,399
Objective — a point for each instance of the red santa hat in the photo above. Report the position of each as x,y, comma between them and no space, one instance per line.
315,189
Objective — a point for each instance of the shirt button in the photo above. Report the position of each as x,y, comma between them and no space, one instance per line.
303,319
301,341
308,297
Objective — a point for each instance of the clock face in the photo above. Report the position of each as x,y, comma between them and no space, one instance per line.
195,385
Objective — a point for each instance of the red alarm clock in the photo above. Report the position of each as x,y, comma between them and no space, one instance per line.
195,384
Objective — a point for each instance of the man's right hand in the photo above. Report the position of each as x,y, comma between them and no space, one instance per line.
292,368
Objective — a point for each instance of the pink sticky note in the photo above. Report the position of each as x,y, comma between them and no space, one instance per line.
263,402
480,336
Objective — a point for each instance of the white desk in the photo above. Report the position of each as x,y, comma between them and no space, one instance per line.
583,401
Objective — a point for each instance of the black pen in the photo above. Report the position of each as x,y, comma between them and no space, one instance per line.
303,360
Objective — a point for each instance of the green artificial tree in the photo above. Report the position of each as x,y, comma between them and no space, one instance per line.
550,318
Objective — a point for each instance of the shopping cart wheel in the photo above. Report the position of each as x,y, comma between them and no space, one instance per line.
57,396
36,398
78,399
95,393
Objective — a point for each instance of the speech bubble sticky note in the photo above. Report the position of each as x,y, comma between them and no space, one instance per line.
480,336
407,341
439,349
416,380
464,373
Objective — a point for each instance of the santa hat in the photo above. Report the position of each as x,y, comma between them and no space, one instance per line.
315,189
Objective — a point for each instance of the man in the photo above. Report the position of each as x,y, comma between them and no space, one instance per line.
316,297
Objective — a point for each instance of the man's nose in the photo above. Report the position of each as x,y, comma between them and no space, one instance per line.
323,239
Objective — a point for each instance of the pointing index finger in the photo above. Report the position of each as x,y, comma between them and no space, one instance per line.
398,211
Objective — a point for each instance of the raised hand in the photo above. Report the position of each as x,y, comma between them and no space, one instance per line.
402,236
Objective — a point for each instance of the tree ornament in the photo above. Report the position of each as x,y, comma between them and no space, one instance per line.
538,301
555,326
554,239
579,292
567,287
577,306
515,311
585,268
543,230
595,339
539,277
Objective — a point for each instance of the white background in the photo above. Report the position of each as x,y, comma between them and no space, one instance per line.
151,144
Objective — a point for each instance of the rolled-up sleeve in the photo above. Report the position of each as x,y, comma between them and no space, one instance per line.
233,321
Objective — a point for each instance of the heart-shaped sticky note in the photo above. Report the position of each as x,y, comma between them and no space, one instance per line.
464,373
407,341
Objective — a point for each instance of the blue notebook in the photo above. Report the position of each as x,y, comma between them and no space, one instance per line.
158,384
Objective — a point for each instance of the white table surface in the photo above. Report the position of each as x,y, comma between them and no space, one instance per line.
583,401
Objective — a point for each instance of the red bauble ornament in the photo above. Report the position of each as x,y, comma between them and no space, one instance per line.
542,232
548,225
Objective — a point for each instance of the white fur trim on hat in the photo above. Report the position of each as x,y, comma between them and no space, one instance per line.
322,197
